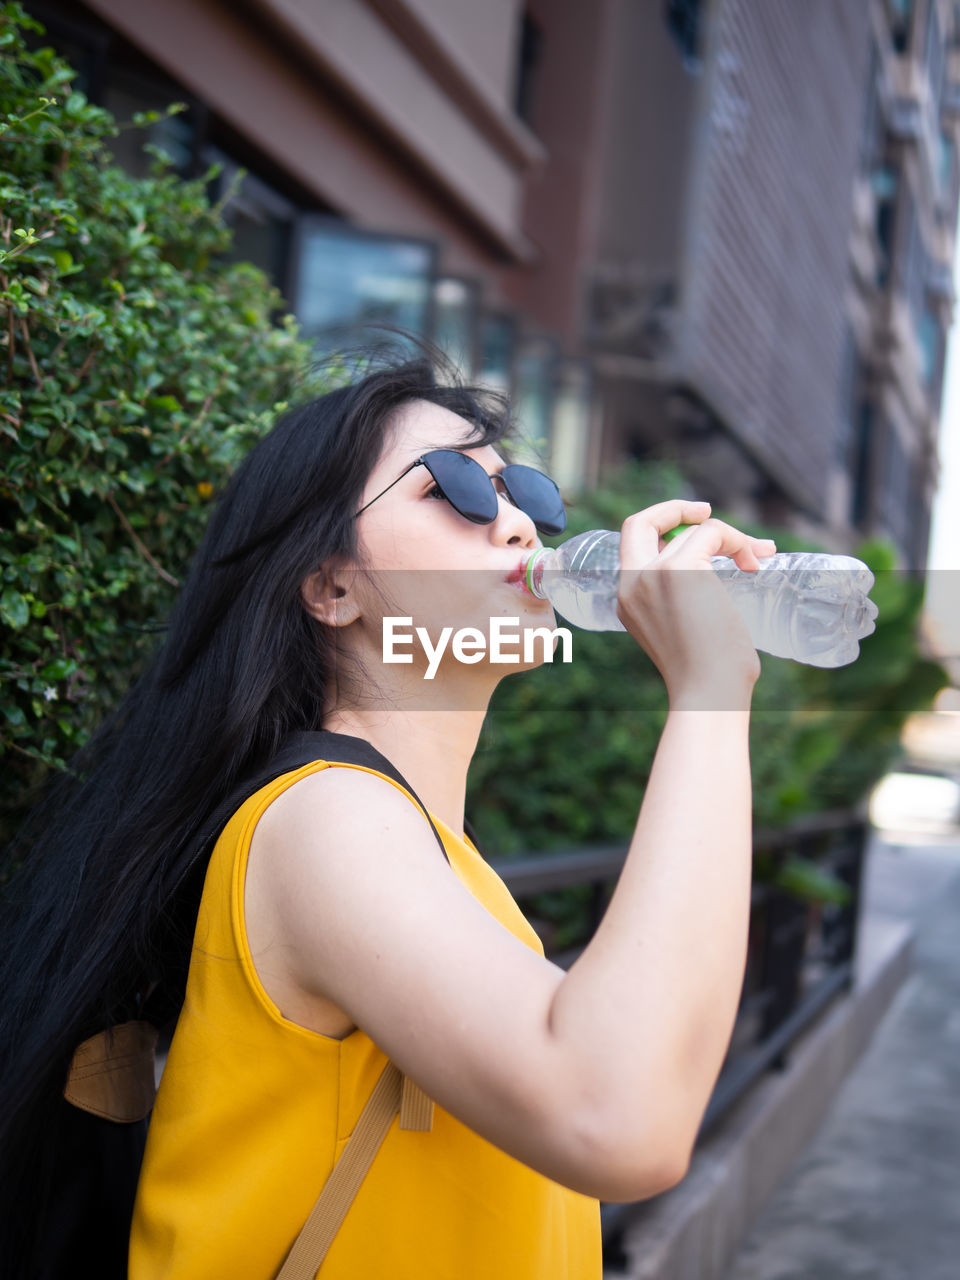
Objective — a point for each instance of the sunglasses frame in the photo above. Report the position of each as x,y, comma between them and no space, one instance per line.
422,461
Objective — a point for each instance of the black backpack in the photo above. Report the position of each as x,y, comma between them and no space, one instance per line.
97,1160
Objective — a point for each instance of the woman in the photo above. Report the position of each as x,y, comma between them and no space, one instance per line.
331,934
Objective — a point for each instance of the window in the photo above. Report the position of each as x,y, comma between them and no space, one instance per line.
116,75
850,389
946,159
885,182
930,338
175,135
572,412
933,54
683,19
455,304
76,36
862,465
343,278
918,517
873,135
896,488
535,374
261,219
913,267
496,352
901,20
529,54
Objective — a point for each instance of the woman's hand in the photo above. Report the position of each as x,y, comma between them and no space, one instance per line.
686,622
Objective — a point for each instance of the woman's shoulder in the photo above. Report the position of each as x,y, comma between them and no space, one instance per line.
340,792
338,823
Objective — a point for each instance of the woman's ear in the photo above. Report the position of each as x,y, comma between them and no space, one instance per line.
328,596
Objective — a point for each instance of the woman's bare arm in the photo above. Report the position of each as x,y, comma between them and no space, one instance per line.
652,999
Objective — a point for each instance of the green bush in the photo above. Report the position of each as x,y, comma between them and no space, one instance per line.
858,712
137,365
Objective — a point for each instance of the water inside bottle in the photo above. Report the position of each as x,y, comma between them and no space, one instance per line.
584,600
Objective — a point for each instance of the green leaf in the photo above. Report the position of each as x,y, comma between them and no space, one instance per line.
58,669
14,715
14,609
807,880
169,403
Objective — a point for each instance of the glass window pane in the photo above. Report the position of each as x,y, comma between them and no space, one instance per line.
945,155
455,321
928,334
173,134
260,218
347,278
572,414
496,352
534,371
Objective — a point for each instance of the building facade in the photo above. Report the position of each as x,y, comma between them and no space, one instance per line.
714,230
765,261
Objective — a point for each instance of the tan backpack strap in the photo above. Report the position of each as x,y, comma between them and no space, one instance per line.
416,1109
392,1093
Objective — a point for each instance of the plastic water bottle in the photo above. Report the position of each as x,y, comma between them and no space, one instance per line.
810,607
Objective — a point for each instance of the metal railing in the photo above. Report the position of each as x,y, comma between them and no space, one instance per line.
800,954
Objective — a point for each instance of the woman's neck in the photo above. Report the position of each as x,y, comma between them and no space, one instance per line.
432,749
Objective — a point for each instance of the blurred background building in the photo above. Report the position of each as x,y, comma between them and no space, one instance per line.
719,231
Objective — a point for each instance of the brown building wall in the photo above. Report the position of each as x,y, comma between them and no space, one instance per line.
649,120
571,117
614,110
483,35
434,173
764,303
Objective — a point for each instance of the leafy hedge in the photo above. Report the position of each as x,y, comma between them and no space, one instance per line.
136,366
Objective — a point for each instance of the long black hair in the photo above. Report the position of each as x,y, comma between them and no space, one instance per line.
101,910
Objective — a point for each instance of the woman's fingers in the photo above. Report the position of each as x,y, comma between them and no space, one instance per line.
716,538
641,534
642,541
687,622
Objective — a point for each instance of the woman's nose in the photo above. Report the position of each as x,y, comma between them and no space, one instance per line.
513,524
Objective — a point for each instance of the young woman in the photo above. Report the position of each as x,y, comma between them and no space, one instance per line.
333,934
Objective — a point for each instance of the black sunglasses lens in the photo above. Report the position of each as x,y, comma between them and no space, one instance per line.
469,489
538,496
465,484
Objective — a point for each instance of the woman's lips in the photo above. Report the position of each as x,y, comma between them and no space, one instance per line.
518,577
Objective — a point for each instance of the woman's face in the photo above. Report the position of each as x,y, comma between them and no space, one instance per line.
430,563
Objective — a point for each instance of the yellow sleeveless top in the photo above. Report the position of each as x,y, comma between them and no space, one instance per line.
253,1111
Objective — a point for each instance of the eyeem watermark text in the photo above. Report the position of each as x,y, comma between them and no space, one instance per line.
469,644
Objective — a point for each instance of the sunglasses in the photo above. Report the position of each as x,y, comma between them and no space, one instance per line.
470,491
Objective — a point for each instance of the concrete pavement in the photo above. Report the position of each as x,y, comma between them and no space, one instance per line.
876,1196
